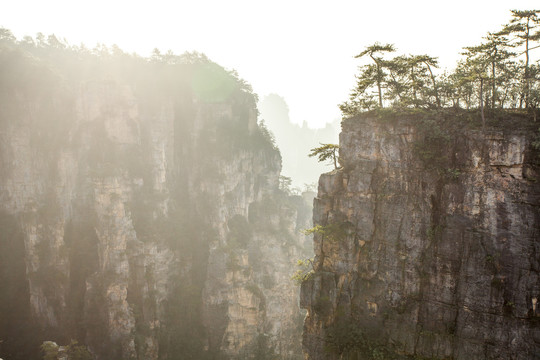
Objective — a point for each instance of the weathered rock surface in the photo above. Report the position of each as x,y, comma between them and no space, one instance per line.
425,258
129,204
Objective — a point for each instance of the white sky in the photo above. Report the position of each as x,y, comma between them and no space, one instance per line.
302,50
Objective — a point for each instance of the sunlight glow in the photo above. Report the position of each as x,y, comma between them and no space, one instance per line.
302,50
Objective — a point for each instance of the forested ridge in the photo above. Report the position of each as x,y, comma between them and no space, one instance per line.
497,73
42,63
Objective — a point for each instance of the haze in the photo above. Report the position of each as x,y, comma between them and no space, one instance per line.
157,201
300,50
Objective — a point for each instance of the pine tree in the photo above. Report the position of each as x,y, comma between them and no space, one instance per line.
397,84
525,27
375,52
326,152
475,70
429,63
492,54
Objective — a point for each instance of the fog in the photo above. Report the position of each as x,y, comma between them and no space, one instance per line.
295,141
162,204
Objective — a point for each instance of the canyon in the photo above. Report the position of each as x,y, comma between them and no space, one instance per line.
142,214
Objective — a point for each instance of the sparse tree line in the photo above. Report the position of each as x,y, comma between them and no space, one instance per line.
49,43
43,65
498,73
56,54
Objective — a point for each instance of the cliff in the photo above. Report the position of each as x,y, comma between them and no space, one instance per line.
428,245
139,210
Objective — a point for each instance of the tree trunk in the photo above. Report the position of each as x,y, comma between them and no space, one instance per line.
380,92
482,104
527,86
398,92
525,94
379,76
493,87
434,86
413,78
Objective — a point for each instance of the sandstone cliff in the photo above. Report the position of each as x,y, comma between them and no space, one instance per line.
428,246
140,211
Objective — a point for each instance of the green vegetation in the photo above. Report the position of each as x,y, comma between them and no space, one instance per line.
50,72
374,74
326,152
333,232
50,350
213,116
496,74
305,271
77,352
74,351
50,75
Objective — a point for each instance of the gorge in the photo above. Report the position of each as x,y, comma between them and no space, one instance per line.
142,214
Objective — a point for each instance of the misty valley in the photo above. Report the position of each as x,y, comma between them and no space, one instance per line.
157,208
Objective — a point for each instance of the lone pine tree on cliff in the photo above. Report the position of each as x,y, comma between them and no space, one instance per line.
326,152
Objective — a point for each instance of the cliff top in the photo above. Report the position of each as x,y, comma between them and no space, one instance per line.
514,120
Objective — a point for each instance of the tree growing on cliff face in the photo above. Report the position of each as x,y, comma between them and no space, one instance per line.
304,272
49,350
73,351
326,152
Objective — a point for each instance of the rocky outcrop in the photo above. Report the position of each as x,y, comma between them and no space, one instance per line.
428,244
143,212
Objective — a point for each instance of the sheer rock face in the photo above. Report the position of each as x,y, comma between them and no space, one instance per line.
125,210
440,264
